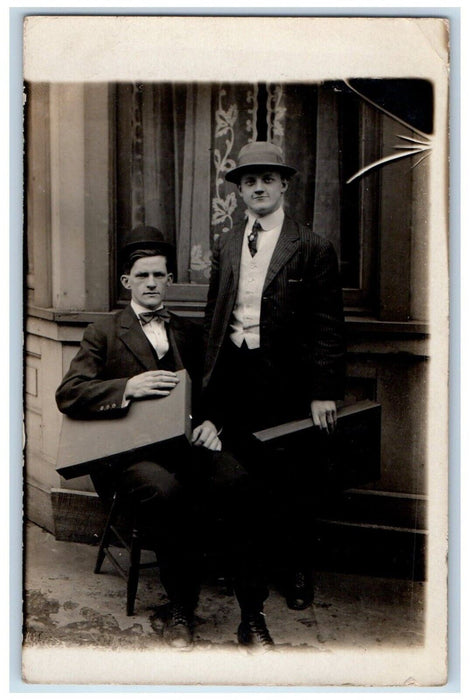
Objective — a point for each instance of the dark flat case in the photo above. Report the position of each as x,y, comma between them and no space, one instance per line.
85,445
350,456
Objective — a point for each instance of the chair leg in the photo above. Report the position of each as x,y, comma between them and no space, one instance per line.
133,574
106,536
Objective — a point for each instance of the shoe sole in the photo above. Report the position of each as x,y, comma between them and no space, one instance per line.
178,645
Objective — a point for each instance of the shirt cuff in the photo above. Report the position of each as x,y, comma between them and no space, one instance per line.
125,402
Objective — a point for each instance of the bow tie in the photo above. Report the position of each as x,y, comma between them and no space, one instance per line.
160,315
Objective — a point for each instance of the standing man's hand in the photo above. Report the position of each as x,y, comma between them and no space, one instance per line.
205,435
324,415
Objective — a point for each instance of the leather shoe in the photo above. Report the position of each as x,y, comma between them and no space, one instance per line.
252,632
299,590
177,628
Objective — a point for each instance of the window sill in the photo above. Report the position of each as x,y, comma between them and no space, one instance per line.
356,325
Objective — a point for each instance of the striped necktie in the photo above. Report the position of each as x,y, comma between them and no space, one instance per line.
253,237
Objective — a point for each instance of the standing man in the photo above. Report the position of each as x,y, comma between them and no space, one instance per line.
134,355
275,350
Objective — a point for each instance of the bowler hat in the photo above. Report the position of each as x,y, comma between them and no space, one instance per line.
146,237
256,155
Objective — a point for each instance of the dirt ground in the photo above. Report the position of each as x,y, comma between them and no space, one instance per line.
65,602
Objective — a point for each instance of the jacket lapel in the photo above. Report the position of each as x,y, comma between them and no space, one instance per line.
286,246
135,339
176,338
235,251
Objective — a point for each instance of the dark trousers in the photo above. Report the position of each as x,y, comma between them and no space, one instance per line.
253,397
193,500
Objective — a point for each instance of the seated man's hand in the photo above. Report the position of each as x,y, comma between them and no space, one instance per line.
205,435
324,415
155,383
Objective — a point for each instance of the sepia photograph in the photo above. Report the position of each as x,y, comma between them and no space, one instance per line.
236,351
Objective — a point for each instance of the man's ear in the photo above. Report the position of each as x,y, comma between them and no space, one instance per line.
285,184
170,278
125,281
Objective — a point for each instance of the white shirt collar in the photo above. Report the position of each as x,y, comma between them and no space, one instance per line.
268,222
138,309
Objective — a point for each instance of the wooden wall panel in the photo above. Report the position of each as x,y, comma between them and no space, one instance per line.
398,383
98,204
38,191
394,231
68,196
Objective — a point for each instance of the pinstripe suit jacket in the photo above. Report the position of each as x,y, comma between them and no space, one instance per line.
301,322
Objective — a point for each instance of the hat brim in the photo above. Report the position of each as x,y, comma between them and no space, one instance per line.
235,174
163,248
163,245
166,248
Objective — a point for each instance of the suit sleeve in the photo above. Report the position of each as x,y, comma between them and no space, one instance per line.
323,343
193,360
210,404
85,392
213,291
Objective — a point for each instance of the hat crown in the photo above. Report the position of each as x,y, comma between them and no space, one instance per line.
142,235
260,152
257,154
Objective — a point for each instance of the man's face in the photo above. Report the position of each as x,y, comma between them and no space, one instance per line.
148,281
262,192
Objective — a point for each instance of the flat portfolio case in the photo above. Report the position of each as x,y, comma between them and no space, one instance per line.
350,456
86,444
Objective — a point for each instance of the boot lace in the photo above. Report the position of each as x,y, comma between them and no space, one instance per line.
258,626
178,615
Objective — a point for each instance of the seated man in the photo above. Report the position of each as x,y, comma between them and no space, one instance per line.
134,354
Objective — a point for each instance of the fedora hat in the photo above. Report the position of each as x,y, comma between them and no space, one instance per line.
256,155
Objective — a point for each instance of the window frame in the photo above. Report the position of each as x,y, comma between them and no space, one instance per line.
190,298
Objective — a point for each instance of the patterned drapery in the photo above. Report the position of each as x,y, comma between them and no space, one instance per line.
234,125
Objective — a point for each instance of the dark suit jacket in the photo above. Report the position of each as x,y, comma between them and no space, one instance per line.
301,324
112,351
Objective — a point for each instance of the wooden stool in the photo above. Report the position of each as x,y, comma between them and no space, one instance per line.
134,547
